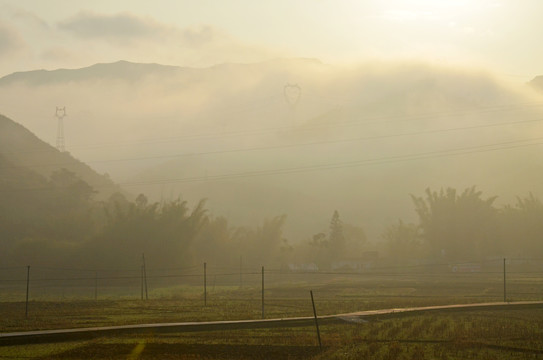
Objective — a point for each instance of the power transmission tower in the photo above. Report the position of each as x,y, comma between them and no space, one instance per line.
292,94
60,113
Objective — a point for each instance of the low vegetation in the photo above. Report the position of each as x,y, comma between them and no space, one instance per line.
481,334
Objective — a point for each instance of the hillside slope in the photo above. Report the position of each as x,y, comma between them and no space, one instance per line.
25,156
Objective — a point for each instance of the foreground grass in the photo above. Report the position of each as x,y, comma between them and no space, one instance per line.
509,334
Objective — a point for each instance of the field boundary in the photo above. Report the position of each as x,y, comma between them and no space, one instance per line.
60,335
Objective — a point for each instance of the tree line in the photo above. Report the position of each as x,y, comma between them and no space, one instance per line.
463,226
61,223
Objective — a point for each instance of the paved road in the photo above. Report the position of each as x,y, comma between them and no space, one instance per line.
50,336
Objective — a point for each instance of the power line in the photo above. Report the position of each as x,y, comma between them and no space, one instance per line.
332,166
286,146
270,130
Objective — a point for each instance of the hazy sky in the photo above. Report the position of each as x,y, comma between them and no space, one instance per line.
501,35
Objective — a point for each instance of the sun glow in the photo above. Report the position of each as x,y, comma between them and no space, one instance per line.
435,10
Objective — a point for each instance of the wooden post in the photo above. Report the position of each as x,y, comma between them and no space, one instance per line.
141,282
262,292
27,288
145,277
316,320
240,272
504,284
205,284
95,285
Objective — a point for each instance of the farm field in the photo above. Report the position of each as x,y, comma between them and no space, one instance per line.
477,334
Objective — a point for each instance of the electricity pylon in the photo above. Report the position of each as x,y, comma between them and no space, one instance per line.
292,93
60,113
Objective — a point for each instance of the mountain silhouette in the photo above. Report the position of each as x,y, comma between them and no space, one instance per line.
124,70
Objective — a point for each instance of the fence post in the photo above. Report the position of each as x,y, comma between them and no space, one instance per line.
504,283
262,292
27,288
95,285
316,320
142,282
205,284
145,276
240,272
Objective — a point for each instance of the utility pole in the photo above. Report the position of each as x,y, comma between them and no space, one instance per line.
60,113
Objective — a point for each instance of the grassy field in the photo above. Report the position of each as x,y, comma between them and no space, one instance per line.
507,334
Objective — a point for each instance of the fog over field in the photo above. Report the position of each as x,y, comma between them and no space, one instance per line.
294,131
291,136
286,179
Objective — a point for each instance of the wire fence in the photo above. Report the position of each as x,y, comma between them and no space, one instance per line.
283,289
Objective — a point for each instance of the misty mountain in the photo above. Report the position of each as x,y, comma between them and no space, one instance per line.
26,159
293,136
121,70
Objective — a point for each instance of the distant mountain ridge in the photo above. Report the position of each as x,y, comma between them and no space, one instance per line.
121,70
118,70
